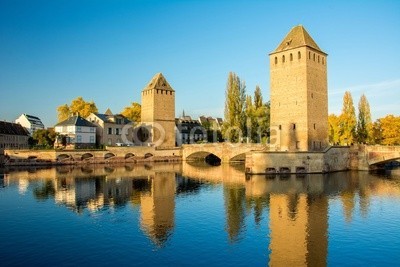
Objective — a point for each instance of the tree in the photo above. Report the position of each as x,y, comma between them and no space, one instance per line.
44,137
258,100
348,121
390,126
133,112
262,122
364,123
235,97
250,131
334,130
78,106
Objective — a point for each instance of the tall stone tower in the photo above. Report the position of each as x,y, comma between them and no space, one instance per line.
299,93
158,112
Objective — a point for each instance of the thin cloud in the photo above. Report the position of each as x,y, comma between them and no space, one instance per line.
376,87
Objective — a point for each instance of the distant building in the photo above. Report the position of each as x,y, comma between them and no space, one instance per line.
211,123
189,131
32,123
13,136
109,128
75,132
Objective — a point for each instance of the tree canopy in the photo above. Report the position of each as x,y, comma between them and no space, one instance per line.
78,106
133,112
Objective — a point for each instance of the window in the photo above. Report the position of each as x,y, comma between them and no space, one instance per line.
299,55
117,131
91,139
314,56
78,129
323,61
309,55
276,60
294,126
291,57
92,129
314,126
79,138
109,130
283,59
280,127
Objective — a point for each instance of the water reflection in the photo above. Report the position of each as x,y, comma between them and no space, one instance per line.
296,207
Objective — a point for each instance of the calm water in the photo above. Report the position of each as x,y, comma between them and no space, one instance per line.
174,215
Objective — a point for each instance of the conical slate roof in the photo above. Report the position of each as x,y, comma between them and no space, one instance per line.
297,37
158,82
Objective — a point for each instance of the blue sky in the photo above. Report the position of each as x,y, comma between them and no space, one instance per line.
107,51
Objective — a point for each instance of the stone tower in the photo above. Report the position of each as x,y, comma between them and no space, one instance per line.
158,112
299,93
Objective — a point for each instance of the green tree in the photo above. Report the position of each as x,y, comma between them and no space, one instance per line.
390,126
251,127
133,112
77,106
44,137
235,97
364,123
258,100
348,121
262,122
376,133
334,130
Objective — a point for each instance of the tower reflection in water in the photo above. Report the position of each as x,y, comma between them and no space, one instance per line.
296,207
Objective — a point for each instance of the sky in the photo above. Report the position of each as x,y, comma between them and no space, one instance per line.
108,50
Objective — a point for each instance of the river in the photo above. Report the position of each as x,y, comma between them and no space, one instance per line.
196,215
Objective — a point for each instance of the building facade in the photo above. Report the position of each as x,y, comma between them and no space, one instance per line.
75,132
31,123
13,136
189,131
299,94
112,129
158,113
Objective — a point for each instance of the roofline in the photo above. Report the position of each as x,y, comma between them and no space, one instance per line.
312,48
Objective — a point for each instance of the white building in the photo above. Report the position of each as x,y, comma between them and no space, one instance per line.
75,132
31,123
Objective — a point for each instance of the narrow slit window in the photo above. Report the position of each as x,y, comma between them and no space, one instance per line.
299,55
291,57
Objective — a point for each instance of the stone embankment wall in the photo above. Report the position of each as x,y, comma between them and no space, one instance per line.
330,160
75,157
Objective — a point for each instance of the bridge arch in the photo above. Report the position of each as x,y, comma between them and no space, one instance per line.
206,156
129,155
63,157
109,155
238,158
87,156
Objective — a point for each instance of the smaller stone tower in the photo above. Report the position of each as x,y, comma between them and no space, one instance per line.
158,112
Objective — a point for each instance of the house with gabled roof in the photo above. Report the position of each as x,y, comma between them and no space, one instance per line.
30,122
112,129
12,136
75,132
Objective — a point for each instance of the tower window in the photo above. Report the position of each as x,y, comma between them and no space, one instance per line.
314,126
318,59
291,57
312,95
283,58
170,92
280,127
299,55
323,61
309,55
314,56
276,60
294,126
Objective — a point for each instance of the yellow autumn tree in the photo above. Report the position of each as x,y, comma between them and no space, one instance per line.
77,106
334,129
390,128
133,112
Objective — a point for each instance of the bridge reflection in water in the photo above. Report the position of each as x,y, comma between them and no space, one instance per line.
296,206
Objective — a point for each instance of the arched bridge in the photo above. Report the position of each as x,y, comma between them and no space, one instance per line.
226,152
368,156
